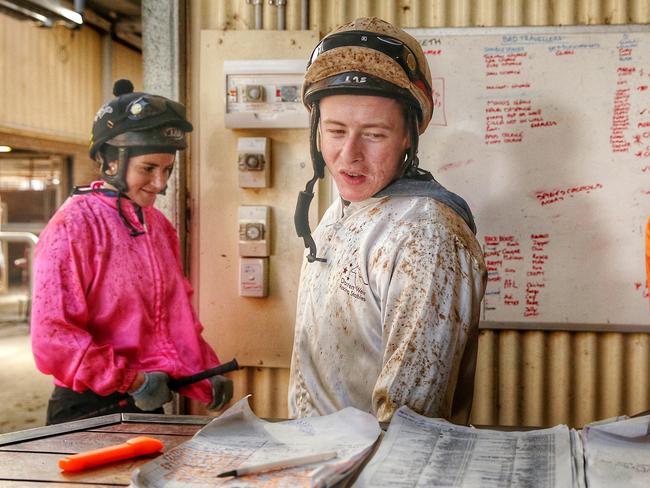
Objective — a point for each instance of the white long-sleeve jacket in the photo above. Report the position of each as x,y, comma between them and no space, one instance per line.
392,317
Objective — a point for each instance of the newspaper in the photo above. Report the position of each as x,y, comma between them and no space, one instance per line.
238,438
423,452
617,454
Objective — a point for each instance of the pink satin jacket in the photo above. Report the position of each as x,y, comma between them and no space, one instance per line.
107,305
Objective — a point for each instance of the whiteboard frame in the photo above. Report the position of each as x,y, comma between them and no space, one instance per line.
546,29
561,327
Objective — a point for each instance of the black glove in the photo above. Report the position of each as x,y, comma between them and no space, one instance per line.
221,392
153,393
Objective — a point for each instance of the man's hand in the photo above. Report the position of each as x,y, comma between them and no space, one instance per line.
221,392
153,393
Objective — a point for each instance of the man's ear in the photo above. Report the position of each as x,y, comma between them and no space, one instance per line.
407,141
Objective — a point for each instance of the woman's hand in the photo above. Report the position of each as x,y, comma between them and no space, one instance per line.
222,390
137,382
153,393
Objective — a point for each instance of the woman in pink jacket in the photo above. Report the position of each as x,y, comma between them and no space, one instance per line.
112,318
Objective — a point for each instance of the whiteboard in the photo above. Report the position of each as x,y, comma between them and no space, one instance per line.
545,132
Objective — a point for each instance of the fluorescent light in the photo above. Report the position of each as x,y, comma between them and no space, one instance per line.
27,13
60,10
37,185
4,149
47,12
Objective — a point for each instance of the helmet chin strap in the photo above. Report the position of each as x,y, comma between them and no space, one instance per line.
410,167
301,216
118,180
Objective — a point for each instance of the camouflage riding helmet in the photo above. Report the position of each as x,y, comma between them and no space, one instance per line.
369,56
365,57
132,124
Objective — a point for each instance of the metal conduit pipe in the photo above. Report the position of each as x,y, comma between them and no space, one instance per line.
258,4
304,14
32,240
281,13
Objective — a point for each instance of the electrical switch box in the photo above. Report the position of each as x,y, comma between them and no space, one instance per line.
253,277
254,162
252,93
265,93
254,231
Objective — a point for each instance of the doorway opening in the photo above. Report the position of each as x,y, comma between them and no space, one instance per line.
33,184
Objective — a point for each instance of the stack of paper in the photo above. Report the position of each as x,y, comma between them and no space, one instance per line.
419,451
416,451
617,453
238,438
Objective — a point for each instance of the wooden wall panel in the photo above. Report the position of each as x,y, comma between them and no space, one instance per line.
258,331
50,79
127,63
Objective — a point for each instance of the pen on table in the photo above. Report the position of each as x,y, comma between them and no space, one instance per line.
281,464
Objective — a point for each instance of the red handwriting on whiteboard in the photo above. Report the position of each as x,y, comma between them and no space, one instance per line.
622,105
505,120
620,121
501,253
642,288
553,196
535,274
454,165
642,139
512,283
495,61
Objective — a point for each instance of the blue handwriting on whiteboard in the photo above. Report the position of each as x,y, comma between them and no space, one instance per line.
529,39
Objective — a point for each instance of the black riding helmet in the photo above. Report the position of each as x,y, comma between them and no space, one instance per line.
135,123
132,124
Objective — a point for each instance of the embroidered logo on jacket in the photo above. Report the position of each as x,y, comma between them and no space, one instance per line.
352,282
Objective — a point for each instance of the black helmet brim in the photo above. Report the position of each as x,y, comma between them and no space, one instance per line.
358,83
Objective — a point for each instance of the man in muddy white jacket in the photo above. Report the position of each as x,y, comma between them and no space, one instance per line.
388,305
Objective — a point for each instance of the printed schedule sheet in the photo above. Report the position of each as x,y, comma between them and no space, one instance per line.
423,452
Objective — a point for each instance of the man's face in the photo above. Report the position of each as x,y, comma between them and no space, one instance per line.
363,140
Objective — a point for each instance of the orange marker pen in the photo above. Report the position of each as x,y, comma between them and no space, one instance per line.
138,446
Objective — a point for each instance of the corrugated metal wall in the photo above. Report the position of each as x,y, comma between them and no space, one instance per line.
546,378
326,14
523,377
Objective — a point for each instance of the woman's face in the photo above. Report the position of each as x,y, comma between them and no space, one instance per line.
147,176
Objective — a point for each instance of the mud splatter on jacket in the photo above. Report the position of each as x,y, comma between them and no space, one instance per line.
107,305
392,317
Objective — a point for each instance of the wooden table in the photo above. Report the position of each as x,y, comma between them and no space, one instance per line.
29,458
